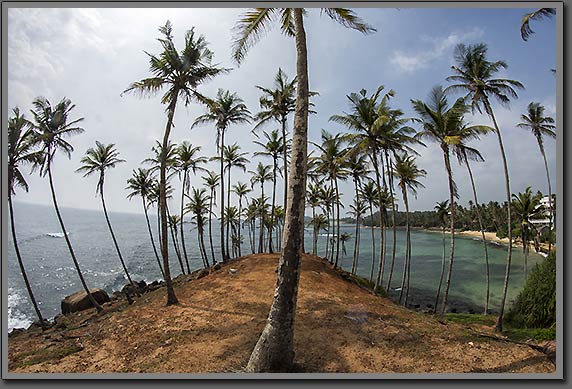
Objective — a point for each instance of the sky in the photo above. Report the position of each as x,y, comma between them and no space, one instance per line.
91,55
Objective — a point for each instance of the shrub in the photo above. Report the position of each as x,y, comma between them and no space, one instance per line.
535,306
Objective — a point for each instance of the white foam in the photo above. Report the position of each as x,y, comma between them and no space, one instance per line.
56,234
16,318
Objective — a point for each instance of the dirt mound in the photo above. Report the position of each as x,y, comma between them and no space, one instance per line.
340,327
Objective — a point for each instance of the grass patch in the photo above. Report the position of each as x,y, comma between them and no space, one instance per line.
35,357
533,334
363,282
470,318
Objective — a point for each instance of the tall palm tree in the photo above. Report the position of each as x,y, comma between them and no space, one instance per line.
174,221
408,174
273,148
21,151
211,181
539,14
442,210
275,349
96,161
318,223
188,161
328,199
541,126
226,109
52,126
314,200
180,73
199,204
357,210
141,184
474,74
241,190
371,196
527,207
262,174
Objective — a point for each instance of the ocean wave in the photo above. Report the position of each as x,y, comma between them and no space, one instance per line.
16,318
56,234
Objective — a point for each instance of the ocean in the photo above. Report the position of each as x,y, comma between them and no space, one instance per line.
53,276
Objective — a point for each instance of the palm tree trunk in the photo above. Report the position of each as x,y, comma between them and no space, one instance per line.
171,297
327,247
183,222
202,242
274,351
21,264
405,260
175,243
382,244
211,224
285,160
498,325
228,221
239,226
151,236
338,222
394,243
372,242
70,248
452,229
314,232
408,250
113,236
479,216
201,247
551,215
224,253
442,272
270,246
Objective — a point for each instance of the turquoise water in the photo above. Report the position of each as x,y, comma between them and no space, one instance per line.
53,276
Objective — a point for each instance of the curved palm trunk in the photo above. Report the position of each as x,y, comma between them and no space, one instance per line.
408,249
113,236
151,236
480,218
452,229
21,264
551,215
327,247
228,221
354,261
382,244
274,351
222,241
171,297
372,243
442,272
261,227
183,222
394,243
239,226
406,259
202,248
499,322
175,243
70,248
314,232
285,160
337,222
210,225
270,229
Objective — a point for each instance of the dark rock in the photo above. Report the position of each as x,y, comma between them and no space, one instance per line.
454,310
142,284
80,300
202,273
116,295
417,306
217,266
430,306
15,332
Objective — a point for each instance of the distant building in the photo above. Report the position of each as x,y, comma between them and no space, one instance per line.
544,221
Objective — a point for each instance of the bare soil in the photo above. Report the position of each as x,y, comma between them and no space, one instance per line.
340,327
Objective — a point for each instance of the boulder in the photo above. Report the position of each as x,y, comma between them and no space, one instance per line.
202,273
217,266
80,300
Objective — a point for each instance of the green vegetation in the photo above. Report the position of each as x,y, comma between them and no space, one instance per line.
470,318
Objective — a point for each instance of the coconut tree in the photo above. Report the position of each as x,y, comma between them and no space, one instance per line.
174,221
262,174
541,126
275,351
357,210
199,205
474,74
539,14
188,161
180,73
226,109
241,190
442,210
526,208
96,161
408,175
274,148
211,181
344,237
314,200
21,151
279,215
371,196
141,184
318,223
328,199
52,127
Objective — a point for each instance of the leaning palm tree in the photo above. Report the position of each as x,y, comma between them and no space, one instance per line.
188,161
226,109
344,237
408,174
539,14
474,74
541,126
526,208
96,161
141,184
241,190
442,210
275,349
357,210
262,174
21,151
314,200
199,205
52,127
319,223
174,221
211,181
180,73
371,196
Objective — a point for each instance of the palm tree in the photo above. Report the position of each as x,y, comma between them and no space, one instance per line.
226,109
181,73
357,167
52,126
97,161
442,212
371,196
527,207
279,215
539,14
318,222
474,75
358,209
141,184
241,190
343,239
314,200
174,221
198,207
328,199
262,174
211,181
188,161
541,126
21,151
275,349
408,174
274,148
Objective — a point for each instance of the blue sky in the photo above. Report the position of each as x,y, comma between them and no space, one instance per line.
91,55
